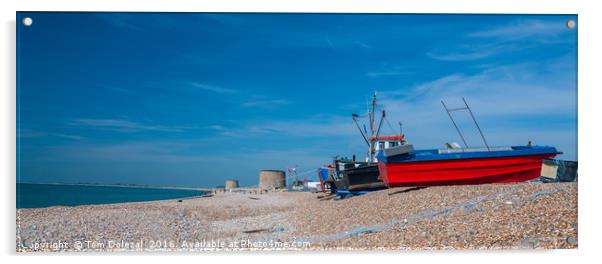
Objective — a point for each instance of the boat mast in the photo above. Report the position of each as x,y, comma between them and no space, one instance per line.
374,130
371,120
371,114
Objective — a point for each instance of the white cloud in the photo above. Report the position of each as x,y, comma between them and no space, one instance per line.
473,52
329,42
121,125
523,29
232,20
503,90
245,99
226,131
314,127
213,88
363,45
28,133
323,127
265,103
121,20
503,39
217,127
388,73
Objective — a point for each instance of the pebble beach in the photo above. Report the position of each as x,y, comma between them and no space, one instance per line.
529,215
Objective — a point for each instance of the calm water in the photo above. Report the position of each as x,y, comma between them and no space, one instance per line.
45,195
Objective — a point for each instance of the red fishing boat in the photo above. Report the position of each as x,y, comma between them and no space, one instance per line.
462,166
403,166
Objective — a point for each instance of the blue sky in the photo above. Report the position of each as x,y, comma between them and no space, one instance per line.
192,99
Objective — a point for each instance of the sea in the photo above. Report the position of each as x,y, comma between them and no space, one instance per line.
31,195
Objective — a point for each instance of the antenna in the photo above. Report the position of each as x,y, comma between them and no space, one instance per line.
380,124
354,117
454,122
466,107
476,124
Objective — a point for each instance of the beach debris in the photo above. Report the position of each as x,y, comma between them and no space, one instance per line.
253,198
256,230
343,197
351,193
571,240
326,197
278,229
361,231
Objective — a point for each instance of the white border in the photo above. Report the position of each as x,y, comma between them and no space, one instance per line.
589,131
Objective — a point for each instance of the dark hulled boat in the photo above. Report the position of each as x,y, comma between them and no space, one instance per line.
352,175
355,176
364,177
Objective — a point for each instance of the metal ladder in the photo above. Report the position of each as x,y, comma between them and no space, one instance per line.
466,107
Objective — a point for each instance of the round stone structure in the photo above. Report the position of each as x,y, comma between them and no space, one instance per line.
231,184
272,179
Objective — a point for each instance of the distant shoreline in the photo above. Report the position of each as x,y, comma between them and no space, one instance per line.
122,185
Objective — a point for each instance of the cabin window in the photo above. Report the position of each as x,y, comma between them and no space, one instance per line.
392,144
381,145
